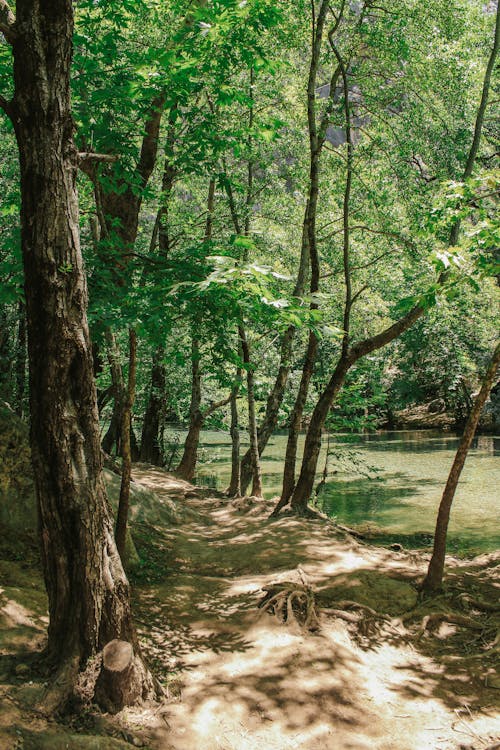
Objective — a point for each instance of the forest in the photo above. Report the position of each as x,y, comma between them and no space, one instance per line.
249,354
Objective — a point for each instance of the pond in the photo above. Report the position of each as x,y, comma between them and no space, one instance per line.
389,484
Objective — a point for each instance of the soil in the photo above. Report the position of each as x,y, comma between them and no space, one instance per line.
384,671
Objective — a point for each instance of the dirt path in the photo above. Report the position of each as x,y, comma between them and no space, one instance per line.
247,682
368,679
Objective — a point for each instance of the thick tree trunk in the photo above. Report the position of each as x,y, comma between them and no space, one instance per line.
87,589
151,443
433,581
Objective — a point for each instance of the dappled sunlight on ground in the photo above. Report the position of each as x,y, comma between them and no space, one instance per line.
373,677
242,681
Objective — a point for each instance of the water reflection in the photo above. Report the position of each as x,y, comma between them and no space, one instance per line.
393,480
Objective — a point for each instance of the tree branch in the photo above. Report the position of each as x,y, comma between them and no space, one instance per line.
213,407
149,146
7,21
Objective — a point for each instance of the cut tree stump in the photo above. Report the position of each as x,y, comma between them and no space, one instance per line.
123,680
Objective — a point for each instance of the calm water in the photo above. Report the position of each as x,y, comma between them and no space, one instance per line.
391,481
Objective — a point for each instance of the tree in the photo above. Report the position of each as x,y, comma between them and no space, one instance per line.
351,353
88,592
433,581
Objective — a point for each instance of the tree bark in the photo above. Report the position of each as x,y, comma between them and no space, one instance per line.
88,592
433,581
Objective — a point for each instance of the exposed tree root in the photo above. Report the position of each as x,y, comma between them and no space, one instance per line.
366,619
473,603
291,602
60,689
431,622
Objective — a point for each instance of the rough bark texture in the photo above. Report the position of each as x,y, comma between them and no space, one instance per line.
87,589
434,579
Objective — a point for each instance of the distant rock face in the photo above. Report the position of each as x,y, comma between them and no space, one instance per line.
437,406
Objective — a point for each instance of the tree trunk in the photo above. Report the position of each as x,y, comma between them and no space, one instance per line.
309,255
312,447
113,435
188,460
433,581
151,449
273,404
252,422
234,489
87,589
123,505
296,421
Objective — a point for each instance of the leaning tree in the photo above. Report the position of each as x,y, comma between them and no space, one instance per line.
88,591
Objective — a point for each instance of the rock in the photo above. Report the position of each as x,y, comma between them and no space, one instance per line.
437,406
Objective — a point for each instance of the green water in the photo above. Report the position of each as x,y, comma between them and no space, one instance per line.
389,482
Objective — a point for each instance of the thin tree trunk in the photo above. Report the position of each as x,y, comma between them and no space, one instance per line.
124,502
153,416
433,581
113,435
151,449
234,489
309,239
274,400
189,458
88,592
252,423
